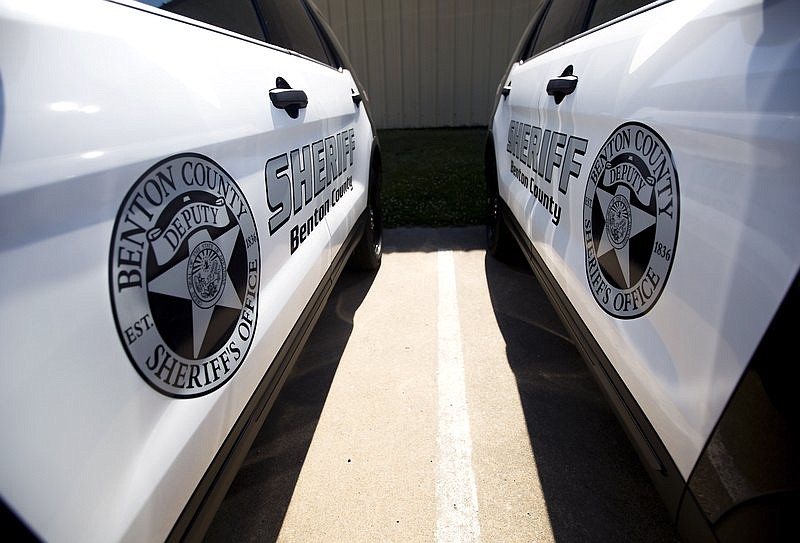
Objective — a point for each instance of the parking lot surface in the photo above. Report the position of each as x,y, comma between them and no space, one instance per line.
441,399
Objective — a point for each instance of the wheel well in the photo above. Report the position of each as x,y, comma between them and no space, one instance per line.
490,165
375,161
375,156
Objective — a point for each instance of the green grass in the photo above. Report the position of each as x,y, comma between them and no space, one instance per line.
433,177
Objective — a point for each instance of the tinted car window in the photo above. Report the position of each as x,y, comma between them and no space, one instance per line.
234,15
605,10
564,19
289,25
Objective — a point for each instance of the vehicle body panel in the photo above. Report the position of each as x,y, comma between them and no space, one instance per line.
716,81
94,452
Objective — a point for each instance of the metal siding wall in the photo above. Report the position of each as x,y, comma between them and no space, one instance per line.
393,62
445,60
429,63
428,88
462,78
410,79
485,77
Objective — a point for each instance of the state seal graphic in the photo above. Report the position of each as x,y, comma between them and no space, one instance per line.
630,221
184,276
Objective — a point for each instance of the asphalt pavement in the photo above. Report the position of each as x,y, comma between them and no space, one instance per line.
440,399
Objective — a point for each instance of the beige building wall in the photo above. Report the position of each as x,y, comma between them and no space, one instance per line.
429,63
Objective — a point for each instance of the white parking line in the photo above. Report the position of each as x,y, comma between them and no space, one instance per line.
456,494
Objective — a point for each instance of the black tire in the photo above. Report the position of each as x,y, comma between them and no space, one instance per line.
367,254
500,242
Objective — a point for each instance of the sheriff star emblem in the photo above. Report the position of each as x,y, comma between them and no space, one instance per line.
630,220
184,276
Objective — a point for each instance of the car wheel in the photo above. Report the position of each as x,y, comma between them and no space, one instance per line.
499,241
368,252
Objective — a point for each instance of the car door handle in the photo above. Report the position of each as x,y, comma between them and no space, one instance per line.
563,85
356,96
291,100
506,90
283,96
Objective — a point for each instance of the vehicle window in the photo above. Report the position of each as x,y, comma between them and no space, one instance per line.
289,25
335,49
235,15
606,10
526,45
564,19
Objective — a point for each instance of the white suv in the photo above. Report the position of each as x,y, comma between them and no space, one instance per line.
181,183
645,157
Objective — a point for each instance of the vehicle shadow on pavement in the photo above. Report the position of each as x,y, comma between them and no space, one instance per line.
256,503
432,240
594,486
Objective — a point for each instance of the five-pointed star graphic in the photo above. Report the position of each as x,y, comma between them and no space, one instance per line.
173,283
640,220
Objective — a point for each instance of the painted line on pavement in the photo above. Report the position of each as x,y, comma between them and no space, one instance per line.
456,494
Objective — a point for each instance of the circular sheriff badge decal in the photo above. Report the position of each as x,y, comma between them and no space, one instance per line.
184,276
630,221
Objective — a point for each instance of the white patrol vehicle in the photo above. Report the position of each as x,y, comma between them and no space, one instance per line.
645,157
181,183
